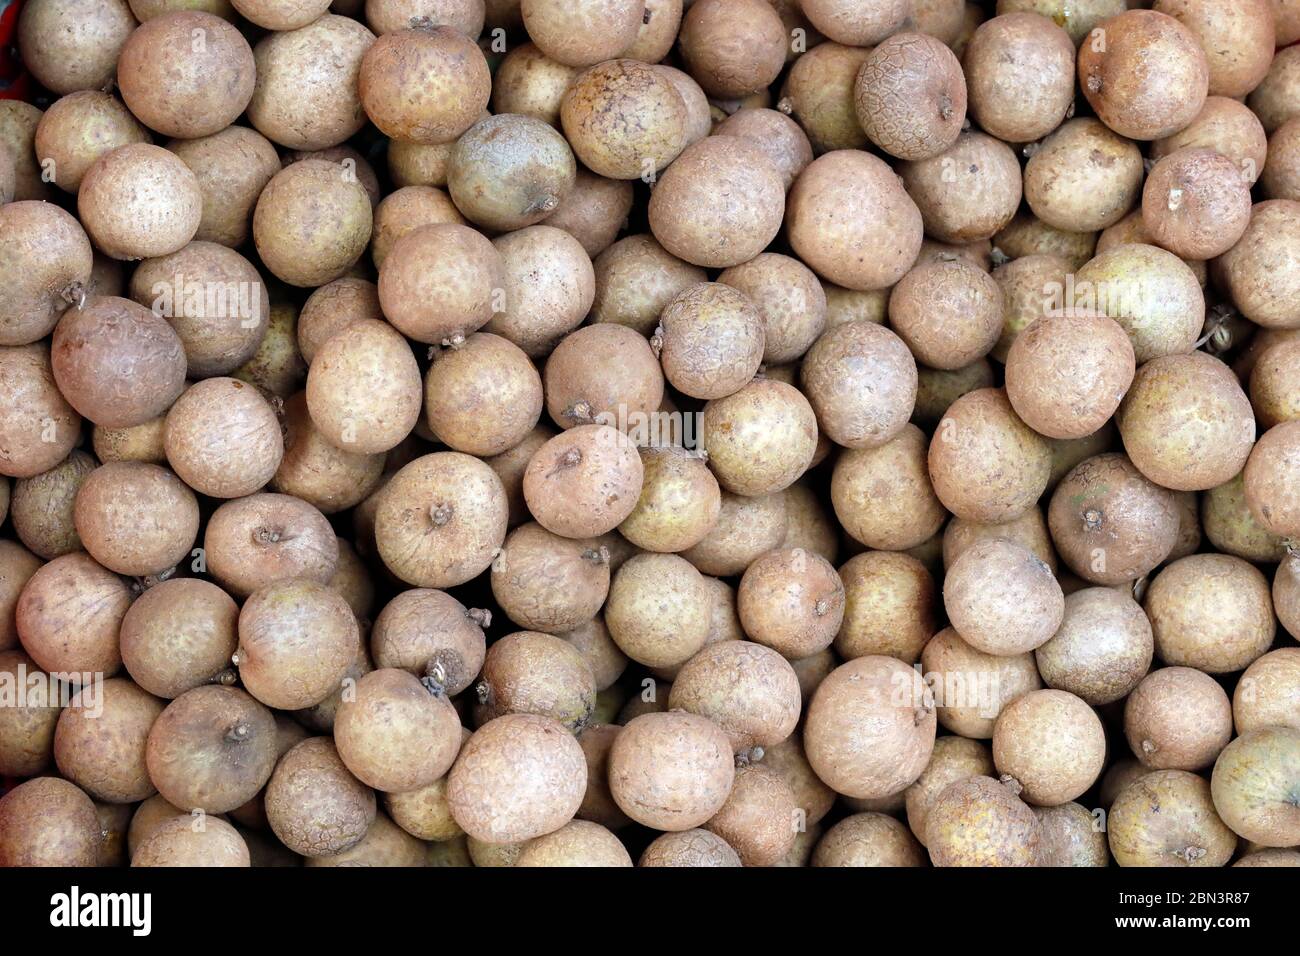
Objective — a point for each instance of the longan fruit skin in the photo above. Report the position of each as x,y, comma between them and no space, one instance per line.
549,288
1267,692
710,340
48,822
784,140
594,113
733,47
101,746
1178,718
978,821
850,200
312,469
133,185
338,304
1083,158
1272,392
223,438
179,635
926,301
1052,744
259,539
41,507
385,844
518,777
1167,818
748,690
309,250
605,373
26,732
395,734
889,606
758,818
65,60
530,83
730,184
1029,530
577,843
296,641
109,511
746,527
508,172
1102,649
910,96
1002,598
37,410
68,615
1043,374
968,459
857,24
954,758
548,583
1232,528
1128,100
1253,786
117,363
948,661
584,33
1266,296
1028,235
45,262
584,482
1109,522
761,438
595,211
791,601
1186,423
658,611
883,497
1011,110
482,397
1196,203
860,738
671,771
868,839
232,167
1212,612
177,843
835,374
535,673
818,94
689,848
213,748
967,193
1238,40
679,504
1271,497
1227,126
1071,836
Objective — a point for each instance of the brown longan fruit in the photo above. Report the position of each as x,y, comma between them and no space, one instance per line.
1026,283
223,438
861,380
970,687
508,171
178,843
780,137
47,261
339,304
1281,176
986,464
577,843
547,583
604,373
1212,612
658,611
1227,126
1029,530
1253,786
710,340
139,201
968,192
1238,40
1002,598
1066,375
954,758
1273,384
79,128
68,615
510,467
809,524
1265,294
110,511
396,734
187,73
312,469
232,167
100,740
679,502
582,33
384,845
1270,492
910,96
844,202
790,302
733,47
441,519
758,818
429,633
65,60
296,641
312,222
635,279
37,411
818,94
1177,719
792,601
263,538
1102,649
592,640
593,114
314,805
427,263
1286,594
1186,423
883,496
889,606
116,362
671,771
1071,836
1083,177
948,311
595,211
584,482
18,122
1110,523
746,527
482,396
425,85
42,506
1196,203
549,287
518,777
1051,744
400,212
47,821
529,83
1167,818
528,672
27,725
1267,692
178,635
869,729
1232,528
1158,106
213,748
689,848
1027,235
761,438
748,690
1001,53
730,184
868,839
857,24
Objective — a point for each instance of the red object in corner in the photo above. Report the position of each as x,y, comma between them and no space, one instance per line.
13,79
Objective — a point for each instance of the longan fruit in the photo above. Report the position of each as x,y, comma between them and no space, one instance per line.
179,635
1001,52
1167,818
1196,203
68,615
584,482
47,821
593,110
135,518
658,611
948,311
761,438
971,688
671,771
528,672
223,438
99,743
584,32
312,223
1177,718
732,47
604,373
910,96
1002,598
791,601
1102,649
883,496
263,538
889,606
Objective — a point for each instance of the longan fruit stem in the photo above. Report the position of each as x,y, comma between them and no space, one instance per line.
239,733
75,294
596,556
440,514
480,616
